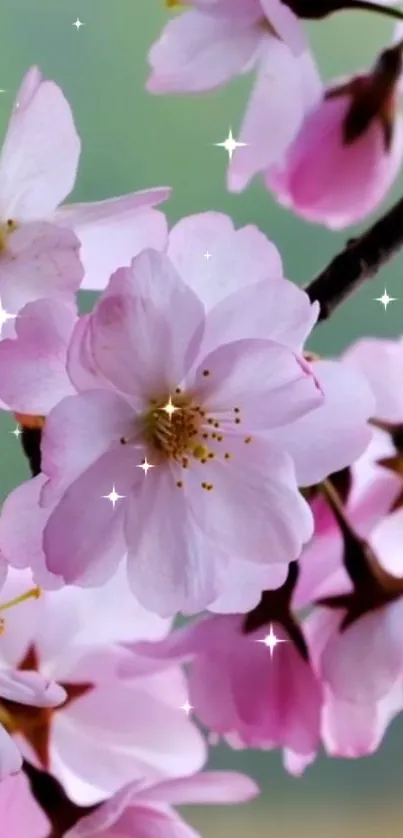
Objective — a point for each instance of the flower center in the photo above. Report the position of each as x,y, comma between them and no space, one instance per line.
178,429
5,229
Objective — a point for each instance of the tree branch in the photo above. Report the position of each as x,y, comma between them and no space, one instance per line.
360,260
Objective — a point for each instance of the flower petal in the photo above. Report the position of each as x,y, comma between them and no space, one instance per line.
215,259
33,375
199,51
39,160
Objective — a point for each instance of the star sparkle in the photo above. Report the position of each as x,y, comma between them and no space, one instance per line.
113,497
78,24
4,316
16,432
385,299
230,144
170,408
186,707
145,465
271,640
207,255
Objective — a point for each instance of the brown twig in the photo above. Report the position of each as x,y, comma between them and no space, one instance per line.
359,261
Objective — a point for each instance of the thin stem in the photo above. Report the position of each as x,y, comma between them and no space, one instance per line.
359,261
388,11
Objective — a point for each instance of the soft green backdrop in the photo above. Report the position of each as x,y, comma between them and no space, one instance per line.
133,140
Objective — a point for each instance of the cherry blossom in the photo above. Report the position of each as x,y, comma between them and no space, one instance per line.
39,242
348,151
106,732
146,808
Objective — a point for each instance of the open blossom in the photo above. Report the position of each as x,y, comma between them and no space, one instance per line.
348,151
211,42
39,242
107,732
146,808
247,411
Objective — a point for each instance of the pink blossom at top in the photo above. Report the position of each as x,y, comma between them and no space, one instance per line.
209,43
38,167
239,690
108,732
20,815
348,151
146,808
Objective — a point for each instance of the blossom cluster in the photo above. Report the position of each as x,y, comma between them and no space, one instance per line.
191,457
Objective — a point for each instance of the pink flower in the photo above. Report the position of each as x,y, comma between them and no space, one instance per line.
38,168
363,663
107,732
213,41
29,689
348,152
20,816
349,728
253,337
145,808
242,692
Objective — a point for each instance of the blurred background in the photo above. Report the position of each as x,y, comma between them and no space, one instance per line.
132,140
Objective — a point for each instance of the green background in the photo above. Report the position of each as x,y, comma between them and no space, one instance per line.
132,140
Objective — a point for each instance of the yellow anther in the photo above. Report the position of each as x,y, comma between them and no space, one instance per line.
34,593
200,452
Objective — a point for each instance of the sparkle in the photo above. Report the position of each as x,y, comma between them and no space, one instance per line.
207,255
78,24
2,90
113,497
4,316
271,641
186,707
17,431
170,408
145,465
385,299
230,144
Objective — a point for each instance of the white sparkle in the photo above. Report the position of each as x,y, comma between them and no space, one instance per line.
186,707
385,299
145,466
17,432
4,316
78,24
207,255
113,497
2,90
170,408
230,144
271,641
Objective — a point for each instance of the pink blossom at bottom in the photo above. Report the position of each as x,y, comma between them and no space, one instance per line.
145,809
242,692
109,731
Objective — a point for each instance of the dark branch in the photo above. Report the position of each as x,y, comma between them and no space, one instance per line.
360,260
31,444
51,797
